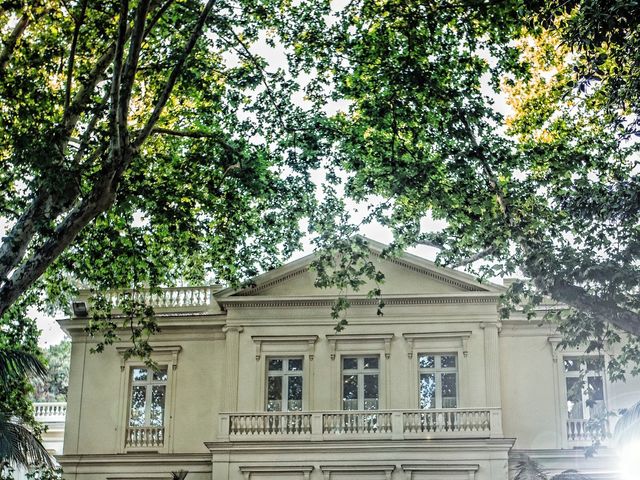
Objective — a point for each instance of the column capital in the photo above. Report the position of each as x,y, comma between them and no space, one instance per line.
233,329
496,324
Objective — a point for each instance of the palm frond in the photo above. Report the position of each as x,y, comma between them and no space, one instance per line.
628,426
528,469
19,363
19,446
570,475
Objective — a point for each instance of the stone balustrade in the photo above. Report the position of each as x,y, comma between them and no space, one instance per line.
48,412
144,437
179,299
349,425
580,432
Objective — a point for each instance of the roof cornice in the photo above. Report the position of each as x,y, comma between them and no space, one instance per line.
257,301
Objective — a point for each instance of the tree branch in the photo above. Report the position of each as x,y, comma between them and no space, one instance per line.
131,66
72,55
475,257
86,136
10,44
117,123
430,243
609,311
173,77
183,133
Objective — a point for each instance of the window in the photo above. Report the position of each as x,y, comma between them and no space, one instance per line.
360,377
284,384
585,388
148,394
438,380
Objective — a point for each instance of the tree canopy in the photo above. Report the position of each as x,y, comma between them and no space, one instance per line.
547,190
148,142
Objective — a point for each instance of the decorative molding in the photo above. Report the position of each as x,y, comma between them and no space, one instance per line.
369,338
429,273
327,470
271,283
438,468
496,324
411,338
232,328
171,351
248,470
309,340
554,341
328,301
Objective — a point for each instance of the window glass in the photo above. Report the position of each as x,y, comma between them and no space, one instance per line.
157,405
428,390
295,364
350,392
349,363
148,397
138,402
360,383
294,393
426,361
449,390
275,364
571,364
274,394
438,380
284,384
584,387
574,398
161,374
371,363
595,388
448,361
139,374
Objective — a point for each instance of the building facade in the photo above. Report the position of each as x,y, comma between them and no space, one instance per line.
255,384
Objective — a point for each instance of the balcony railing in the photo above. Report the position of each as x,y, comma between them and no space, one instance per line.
182,299
582,431
49,412
348,425
144,437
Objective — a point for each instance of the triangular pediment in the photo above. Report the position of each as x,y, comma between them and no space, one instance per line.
405,274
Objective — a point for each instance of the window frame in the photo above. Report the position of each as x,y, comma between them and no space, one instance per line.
360,371
148,385
438,371
163,356
586,410
560,389
285,374
273,346
465,344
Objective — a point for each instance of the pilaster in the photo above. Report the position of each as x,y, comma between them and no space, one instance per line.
492,363
232,341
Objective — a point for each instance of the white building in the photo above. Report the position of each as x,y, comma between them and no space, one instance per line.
255,384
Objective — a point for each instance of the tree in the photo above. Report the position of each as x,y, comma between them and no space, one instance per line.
549,193
143,142
528,469
53,388
18,444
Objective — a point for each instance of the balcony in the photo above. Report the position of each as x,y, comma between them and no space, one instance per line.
50,412
355,425
165,300
144,437
581,432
